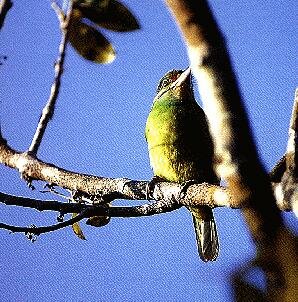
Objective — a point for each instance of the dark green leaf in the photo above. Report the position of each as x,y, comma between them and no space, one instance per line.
98,221
90,43
111,15
92,3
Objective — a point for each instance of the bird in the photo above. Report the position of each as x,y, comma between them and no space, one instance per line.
181,149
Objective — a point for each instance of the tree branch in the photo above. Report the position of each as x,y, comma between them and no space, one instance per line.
5,6
236,157
45,229
108,189
158,207
48,111
292,161
285,176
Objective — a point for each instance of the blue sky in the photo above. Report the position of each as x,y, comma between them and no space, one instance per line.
98,129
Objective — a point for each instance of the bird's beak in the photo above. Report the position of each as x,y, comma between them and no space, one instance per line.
184,76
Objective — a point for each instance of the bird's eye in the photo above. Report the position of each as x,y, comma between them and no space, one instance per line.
164,83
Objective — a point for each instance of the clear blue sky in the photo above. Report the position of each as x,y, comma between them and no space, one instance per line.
98,129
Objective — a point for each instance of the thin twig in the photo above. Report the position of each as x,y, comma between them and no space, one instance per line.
89,211
158,207
48,111
5,6
59,13
44,229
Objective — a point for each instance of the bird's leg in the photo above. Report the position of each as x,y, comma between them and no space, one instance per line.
150,186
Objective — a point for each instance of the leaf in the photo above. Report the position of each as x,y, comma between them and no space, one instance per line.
77,229
98,221
111,15
90,43
92,3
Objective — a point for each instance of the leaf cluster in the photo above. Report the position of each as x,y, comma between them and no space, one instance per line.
87,17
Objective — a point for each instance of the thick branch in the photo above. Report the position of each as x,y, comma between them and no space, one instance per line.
286,176
109,189
5,6
236,157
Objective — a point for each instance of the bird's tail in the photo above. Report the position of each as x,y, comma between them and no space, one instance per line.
206,234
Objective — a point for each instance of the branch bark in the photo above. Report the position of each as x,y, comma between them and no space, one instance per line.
284,175
108,189
5,6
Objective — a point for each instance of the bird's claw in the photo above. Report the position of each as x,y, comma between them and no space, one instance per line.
150,187
185,186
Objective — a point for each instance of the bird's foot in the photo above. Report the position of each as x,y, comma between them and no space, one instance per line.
150,186
185,186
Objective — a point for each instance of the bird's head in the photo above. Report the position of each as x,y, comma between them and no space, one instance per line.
176,82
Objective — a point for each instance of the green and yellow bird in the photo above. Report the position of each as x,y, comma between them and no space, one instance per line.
181,149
